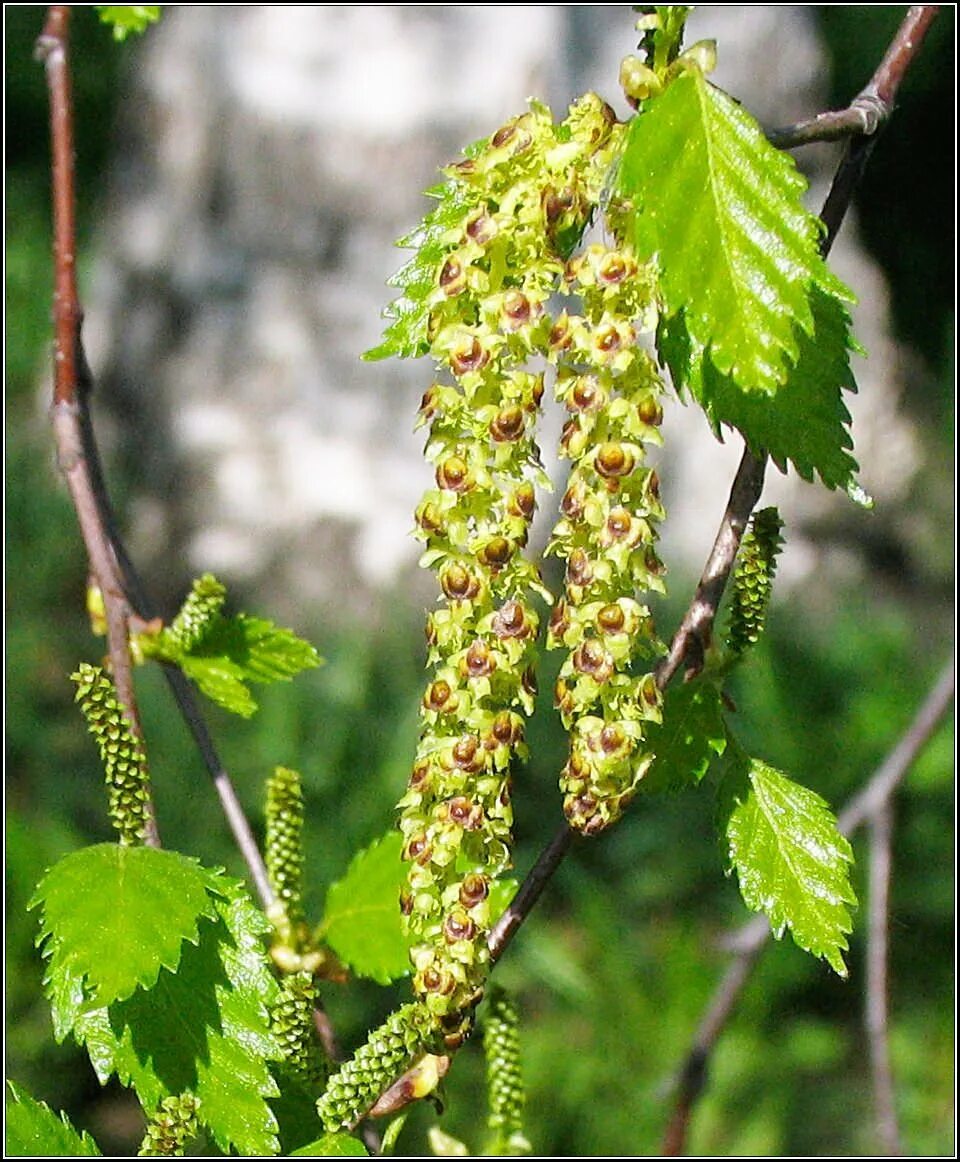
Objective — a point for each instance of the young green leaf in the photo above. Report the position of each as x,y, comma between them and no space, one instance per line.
127,18
691,734
806,424
33,1130
362,921
203,1029
332,1146
113,916
721,211
792,862
233,651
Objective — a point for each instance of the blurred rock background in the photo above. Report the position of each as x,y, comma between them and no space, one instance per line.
244,173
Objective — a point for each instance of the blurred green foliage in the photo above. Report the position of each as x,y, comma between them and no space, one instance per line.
613,970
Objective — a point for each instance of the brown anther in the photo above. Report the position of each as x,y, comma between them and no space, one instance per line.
458,926
587,395
591,658
406,902
428,402
571,430
506,729
573,501
562,696
611,619
478,662
469,356
613,269
559,619
496,552
529,681
523,502
464,813
558,203
465,753
653,486
474,889
503,135
651,561
516,309
561,335
418,849
482,229
613,459
649,691
429,517
608,340
419,775
465,168
458,583
579,568
507,424
454,474
438,696
536,392
613,738
434,980
619,523
452,276
510,620
650,411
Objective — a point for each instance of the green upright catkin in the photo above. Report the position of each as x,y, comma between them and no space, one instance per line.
283,850
292,1022
389,1051
171,1127
753,580
506,1095
197,614
122,754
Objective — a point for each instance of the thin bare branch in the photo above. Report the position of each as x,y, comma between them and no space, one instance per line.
869,111
68,388
877,1014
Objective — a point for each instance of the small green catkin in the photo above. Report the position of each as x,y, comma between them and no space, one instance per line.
753,580
284,843
199,610
388,1052
122,754
171,1127
505,1090
291,1020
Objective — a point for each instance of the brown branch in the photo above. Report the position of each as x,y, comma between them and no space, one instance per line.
750,940
873,106
877,1015
68,388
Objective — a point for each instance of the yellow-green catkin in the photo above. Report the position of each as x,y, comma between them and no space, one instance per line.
506,1094
527,194
388,1052
122,754
283,851
198,612
611,389
171,1127
753,579
292,1022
